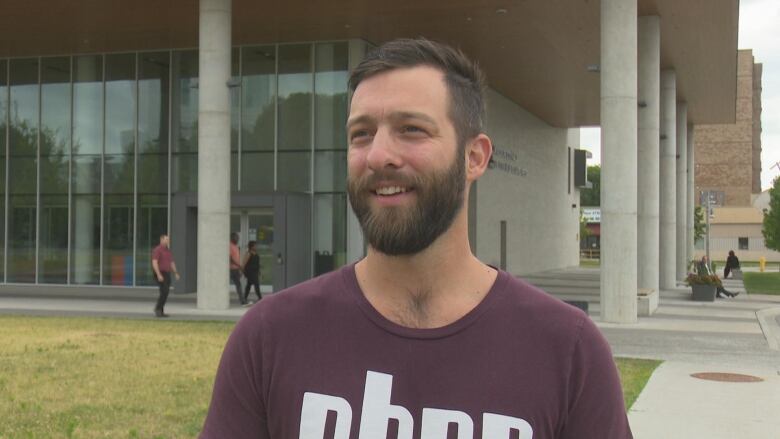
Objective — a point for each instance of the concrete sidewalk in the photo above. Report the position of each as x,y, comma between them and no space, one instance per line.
728,336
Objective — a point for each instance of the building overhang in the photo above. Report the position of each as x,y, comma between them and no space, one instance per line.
537,53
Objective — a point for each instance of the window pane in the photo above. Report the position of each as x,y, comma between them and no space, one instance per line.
24,102
294,170
21,238
153,91
86,174
120,104
330,171
185,101
22,185
55,106
85,229
259,88
330,84
257,171
152,222
88,104
3,131
330,232
295,93
53,251
185,172
118,236
153,174
235,100
118,174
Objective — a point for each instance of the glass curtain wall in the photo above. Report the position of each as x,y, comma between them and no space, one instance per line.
152,194
258,118
87,169
93,146
184,121
23,169
54,170
330,156
119,169
3,146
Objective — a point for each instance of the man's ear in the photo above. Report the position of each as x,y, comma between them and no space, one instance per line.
478,153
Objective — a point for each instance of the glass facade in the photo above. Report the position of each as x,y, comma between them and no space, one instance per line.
93,146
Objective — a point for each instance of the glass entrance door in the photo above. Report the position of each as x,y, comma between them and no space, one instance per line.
256,225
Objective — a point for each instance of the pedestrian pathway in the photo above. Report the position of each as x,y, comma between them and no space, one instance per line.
728,336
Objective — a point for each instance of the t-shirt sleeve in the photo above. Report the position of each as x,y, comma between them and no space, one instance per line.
156,254
595,398
237,409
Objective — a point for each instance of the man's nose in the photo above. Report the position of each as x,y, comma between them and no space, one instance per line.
383,152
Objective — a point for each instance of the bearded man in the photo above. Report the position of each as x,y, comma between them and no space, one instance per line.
419,339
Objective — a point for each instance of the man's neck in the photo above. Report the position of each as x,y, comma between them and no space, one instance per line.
430,289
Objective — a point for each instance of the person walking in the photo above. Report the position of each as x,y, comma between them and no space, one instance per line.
235,267
251,267
732,263
163,265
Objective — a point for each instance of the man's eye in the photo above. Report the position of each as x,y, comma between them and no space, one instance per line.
411,129
357,135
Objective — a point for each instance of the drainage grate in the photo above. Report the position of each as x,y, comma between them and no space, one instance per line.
727,377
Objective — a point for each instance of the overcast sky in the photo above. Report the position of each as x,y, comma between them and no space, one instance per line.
758,30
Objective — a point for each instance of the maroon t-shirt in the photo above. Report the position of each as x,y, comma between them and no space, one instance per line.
163,256
318,361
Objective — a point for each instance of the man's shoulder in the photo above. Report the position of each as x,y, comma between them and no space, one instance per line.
531,305
304,300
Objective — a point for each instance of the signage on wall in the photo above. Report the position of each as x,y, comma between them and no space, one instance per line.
591,215
505,161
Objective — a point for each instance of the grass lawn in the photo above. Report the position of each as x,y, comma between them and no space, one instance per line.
762,283
106,378
634,373
117,378
590,262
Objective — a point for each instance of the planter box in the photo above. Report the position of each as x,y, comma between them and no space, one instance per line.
647,302
704,293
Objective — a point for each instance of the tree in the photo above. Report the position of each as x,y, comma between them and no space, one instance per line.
771,229
592,196
699,225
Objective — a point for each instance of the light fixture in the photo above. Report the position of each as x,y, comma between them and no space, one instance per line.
501,11
593,68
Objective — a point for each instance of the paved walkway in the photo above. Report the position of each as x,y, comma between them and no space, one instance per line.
729,336
739,335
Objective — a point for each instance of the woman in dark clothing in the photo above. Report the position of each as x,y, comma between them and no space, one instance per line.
251,267
732,263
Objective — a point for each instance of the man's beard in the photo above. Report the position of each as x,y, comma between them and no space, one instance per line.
407,230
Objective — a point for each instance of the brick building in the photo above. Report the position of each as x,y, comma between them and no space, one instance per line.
728,156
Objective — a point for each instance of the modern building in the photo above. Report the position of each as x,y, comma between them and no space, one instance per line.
123,120
728,156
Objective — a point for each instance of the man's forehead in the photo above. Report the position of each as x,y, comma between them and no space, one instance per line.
413,86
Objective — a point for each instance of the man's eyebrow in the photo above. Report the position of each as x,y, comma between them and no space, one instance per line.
403,115
395,117
359,119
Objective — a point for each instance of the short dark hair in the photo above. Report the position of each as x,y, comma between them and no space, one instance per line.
251,244
233,236
463,78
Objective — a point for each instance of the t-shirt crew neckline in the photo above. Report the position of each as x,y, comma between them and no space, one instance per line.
350,279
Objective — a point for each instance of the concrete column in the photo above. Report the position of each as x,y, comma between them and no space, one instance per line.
214,154
691,196
618,160
648,170
682,190
668,207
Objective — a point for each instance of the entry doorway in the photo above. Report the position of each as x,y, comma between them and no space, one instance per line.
257,225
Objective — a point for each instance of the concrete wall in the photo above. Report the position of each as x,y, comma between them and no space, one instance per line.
531,188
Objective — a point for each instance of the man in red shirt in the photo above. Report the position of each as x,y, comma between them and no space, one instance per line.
235,267
163,265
